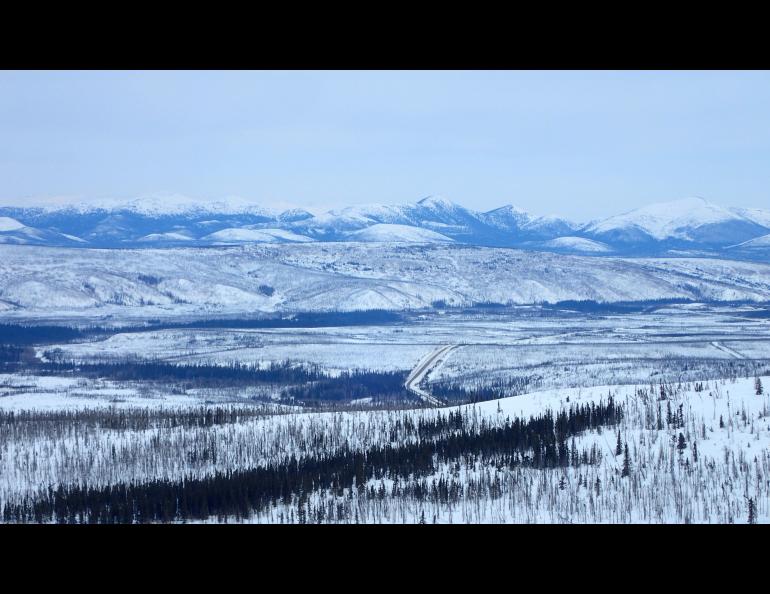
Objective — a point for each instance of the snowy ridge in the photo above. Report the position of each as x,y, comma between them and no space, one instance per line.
314,276
668,219
687,220
654,230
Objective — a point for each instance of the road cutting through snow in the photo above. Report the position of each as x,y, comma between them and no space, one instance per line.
428,362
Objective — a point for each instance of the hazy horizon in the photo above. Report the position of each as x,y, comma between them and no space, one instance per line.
171,199
578,144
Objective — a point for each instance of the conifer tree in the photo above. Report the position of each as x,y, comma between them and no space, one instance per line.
618,446
626,463
752,512
681,444
758,386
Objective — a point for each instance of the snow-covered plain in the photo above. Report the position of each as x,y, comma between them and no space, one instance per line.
706,356
547,348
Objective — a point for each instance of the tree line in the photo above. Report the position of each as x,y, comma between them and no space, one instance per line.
30,334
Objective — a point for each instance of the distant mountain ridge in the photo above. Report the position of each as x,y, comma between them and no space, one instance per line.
313,276
690,226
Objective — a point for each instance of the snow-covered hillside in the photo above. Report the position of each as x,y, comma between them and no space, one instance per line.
9,224
15,232
170,236
758,216
346,276
688,452
578,244
688,220
759,242
385,232
244,235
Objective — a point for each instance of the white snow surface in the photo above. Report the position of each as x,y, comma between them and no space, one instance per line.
243,234
757,215
386,232
578,244
726,420
169,236
348,276
9,224
666,220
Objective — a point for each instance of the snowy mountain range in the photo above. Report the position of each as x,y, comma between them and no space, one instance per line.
687,227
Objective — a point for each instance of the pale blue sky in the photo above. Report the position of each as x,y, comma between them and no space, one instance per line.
580,144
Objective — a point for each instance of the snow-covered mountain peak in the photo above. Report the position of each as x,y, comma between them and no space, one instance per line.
438,202
507,218
691,223
508,209
665,220
295,214
373,211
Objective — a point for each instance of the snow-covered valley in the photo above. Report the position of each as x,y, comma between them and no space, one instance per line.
381,382
683,378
